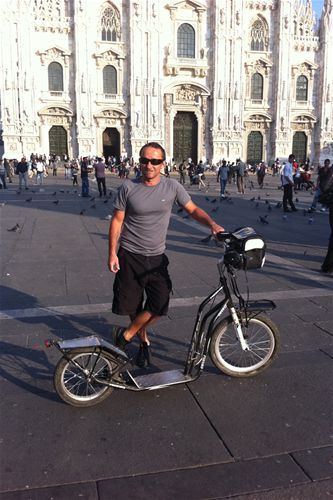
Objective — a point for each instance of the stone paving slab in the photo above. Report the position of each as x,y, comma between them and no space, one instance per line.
217,481
270,413
318,462
309,491
67,445
81,491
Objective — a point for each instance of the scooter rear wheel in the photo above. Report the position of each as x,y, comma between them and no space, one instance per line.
262,338
77,386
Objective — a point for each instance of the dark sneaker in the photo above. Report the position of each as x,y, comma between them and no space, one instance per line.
143,358
118,337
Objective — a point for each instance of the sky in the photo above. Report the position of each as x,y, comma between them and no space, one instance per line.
317,7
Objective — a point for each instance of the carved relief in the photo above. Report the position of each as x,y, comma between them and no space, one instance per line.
54,54
186,93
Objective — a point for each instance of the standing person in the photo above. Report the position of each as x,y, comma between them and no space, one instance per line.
74,169
8,170
100,176
139,224
40,169
323,175
85,177
261,172
287,184
241,168
3,174
22,170
222,176
200,172
327,190
182,172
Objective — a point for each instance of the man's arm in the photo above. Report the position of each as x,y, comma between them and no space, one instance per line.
201,216
114,235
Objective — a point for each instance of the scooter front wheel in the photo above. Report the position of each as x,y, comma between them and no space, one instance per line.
75,377
227,354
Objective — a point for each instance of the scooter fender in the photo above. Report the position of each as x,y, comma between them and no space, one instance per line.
93,341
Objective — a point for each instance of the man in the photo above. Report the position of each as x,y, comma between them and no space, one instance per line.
327,189
22,170
222,176
240,172
139,224
100,176
85,177
323,176
287,184
182,172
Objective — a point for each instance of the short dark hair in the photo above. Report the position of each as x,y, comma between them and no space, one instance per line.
291,156
154,145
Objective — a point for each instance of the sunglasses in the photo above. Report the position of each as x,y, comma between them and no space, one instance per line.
152,161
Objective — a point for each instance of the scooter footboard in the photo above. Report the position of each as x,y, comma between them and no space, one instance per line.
93,341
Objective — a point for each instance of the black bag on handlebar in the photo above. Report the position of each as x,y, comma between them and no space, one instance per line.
246,249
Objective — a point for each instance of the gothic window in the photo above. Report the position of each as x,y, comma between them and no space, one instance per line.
302,88
110,25
186,41
257,86
258,35
109,80
56,78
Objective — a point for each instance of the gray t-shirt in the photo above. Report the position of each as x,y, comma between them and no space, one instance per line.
147,213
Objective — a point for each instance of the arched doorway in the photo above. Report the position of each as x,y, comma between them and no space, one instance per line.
58,144
300,142
111,143
185,136
254,148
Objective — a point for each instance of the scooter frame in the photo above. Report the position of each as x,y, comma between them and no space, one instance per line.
198,348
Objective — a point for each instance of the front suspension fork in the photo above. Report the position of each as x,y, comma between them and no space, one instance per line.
238,329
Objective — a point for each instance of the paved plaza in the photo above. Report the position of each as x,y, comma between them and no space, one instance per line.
268,437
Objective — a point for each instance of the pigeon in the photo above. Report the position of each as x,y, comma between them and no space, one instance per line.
55,192
263,220
214,201
310,220
108,217
279,204
284,217
206,240
252,199
297,200
179,210
93,206
15,229
28,200
266,202
267,194
259,198
82,212
257,204
61,191
56,202
269,208
206,198
110,193
18,192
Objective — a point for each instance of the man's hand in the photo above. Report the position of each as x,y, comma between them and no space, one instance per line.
113,264
216,228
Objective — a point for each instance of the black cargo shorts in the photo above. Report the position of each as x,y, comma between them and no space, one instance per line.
141,277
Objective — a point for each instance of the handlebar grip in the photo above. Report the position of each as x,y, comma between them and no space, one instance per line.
223,236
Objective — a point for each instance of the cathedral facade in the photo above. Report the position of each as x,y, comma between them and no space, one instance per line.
208,79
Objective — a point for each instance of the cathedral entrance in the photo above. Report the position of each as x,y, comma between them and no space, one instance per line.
185,136
111,143
58,141
300,143
254,148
